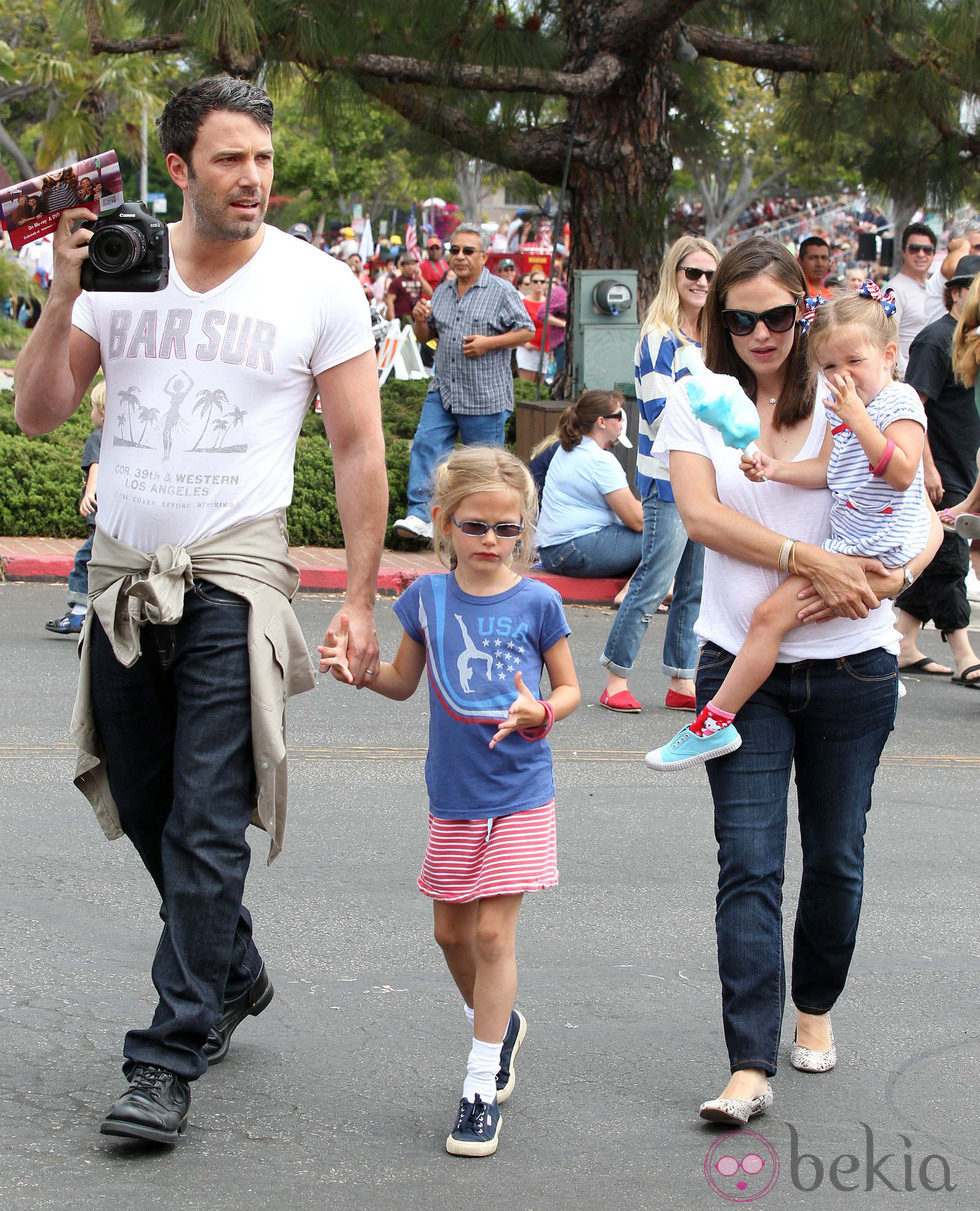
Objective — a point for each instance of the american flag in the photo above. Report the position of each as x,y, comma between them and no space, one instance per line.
411,237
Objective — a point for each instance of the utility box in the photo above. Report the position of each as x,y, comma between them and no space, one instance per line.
534,421
605,327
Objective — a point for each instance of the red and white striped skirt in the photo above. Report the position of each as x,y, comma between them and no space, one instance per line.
473,859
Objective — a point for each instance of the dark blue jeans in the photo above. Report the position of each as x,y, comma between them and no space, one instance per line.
829,719
177,732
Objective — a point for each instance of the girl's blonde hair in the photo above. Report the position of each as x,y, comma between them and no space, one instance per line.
97,398
966,338
665,313
471,469
857,311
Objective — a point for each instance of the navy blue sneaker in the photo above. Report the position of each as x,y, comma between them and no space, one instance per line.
70,624
477,1128
507,1073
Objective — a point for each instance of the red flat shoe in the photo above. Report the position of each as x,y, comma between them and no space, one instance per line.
623,702
680,702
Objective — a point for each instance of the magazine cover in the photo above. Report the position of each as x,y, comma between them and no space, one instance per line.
31,209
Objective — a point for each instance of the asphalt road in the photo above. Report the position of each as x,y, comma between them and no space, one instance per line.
341,1094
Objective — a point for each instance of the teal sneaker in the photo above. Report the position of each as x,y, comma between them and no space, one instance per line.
687,749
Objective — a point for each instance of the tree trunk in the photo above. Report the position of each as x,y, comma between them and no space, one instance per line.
902,210
468,172
621,171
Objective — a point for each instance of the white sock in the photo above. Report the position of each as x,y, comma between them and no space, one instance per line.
481,1071
79,609
470,1014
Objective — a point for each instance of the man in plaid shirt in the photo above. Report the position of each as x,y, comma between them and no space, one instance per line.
478,319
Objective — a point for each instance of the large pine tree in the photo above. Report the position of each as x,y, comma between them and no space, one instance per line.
519,83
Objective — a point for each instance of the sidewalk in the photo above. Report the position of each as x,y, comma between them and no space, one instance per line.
320,569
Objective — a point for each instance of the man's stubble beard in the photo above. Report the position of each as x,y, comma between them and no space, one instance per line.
210,222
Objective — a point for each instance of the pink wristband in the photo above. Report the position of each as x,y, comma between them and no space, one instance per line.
883,462
539,733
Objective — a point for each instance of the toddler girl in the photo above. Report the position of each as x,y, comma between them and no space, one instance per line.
482,630
871,461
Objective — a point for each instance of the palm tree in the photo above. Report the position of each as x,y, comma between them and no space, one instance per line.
130,398
78,102
148,416
206,403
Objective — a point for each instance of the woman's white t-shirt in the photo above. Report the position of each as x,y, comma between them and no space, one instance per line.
733,588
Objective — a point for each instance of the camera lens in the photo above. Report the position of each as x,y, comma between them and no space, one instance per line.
116,249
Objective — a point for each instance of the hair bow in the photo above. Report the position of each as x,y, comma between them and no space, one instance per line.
811,304
871,290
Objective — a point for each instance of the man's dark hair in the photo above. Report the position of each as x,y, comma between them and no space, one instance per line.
182,116
917,229
810,242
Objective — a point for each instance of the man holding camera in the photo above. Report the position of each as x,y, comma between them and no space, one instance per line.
192,647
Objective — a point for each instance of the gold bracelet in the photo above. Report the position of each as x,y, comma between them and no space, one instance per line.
782,559
792,557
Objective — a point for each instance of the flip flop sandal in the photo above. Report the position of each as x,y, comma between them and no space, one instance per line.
919,666
964,678
968,526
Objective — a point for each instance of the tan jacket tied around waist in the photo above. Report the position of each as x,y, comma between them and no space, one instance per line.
128,588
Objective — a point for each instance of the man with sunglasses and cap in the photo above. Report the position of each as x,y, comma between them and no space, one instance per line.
434,268
507,270
477,319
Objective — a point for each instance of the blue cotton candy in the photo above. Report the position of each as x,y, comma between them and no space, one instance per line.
718,400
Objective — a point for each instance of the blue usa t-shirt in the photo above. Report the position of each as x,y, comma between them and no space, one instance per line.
473,648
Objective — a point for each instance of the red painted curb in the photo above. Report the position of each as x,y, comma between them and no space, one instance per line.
38,567
334,580
573,590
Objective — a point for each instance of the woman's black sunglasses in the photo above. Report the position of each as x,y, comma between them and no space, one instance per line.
693,274
503,529
776,319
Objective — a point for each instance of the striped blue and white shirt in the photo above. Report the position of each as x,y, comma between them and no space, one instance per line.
657,365
868,516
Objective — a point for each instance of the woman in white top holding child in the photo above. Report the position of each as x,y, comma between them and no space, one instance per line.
827,705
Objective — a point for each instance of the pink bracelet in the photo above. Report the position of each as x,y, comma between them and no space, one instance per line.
539,733
883,462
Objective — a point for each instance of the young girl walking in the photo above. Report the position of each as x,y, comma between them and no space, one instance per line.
482,631
871,461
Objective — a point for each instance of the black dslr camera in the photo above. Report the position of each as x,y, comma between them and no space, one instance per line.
128,251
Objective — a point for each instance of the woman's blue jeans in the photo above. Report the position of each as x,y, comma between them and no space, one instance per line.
667,556
611,551
830,719
177,732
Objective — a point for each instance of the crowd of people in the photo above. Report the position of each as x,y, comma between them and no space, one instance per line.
785,554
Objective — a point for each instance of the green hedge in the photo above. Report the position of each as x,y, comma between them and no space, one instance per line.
40,479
